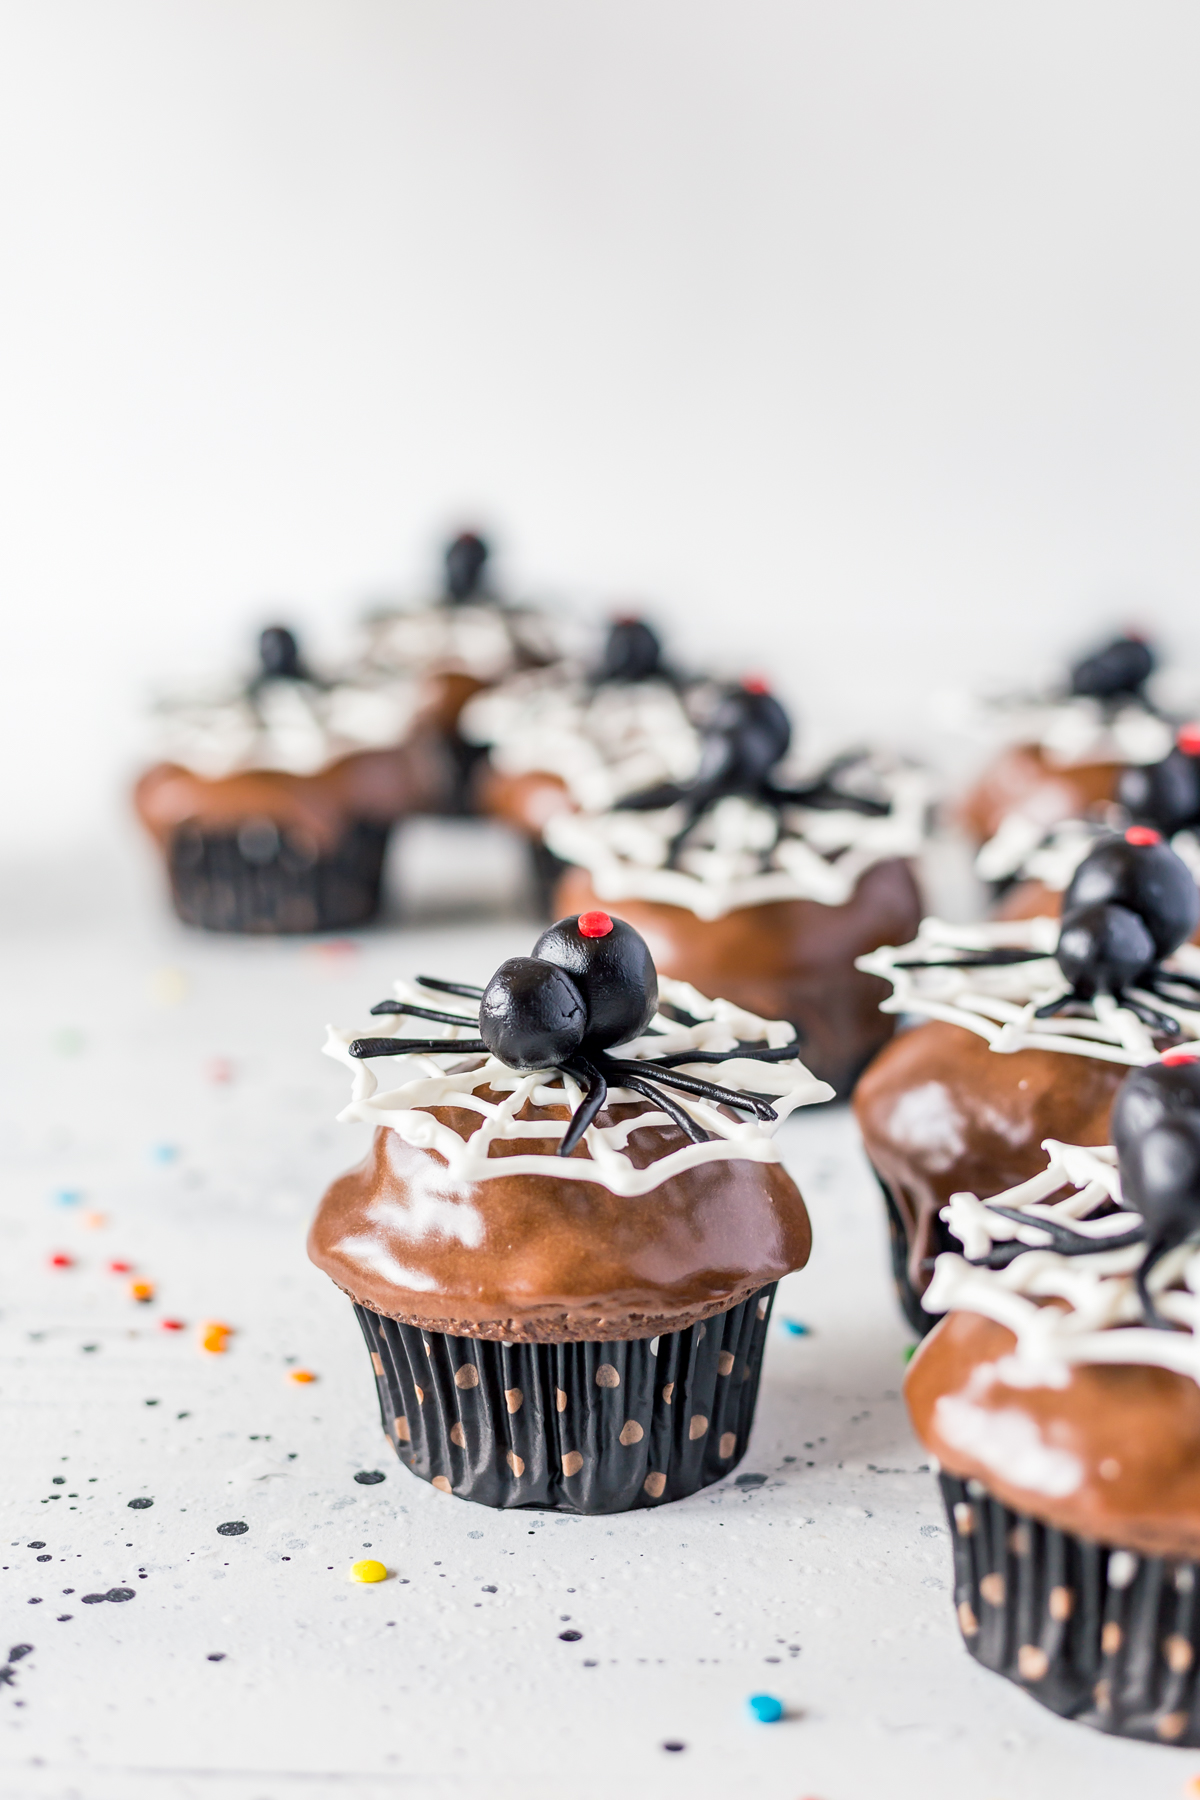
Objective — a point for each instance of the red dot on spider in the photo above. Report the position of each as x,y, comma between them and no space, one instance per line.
1173,1058
756,684
1189,739
1143,834
594,924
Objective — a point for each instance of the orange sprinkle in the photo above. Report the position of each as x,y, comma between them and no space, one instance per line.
1192,1790
214,1337
141,1290
94,1220
301,1375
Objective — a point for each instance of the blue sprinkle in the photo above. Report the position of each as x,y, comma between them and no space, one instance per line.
796,1327
765,1708
68,1196
164,1153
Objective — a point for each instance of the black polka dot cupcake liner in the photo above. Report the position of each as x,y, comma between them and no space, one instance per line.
1100,1635
265,878
581,1428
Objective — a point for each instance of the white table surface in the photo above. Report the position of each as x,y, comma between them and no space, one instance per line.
827,1584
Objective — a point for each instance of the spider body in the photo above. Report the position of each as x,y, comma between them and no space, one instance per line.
1138,871
465,560
589,986
1165,794
632,652
279,655
1156,1128
1117,671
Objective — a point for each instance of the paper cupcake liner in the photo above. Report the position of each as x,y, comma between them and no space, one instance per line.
582,1428
261,878
1100,1635
910,1301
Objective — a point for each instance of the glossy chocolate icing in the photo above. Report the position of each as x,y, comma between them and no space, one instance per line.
1025,777
785,959
1133,1430
375,786
552,1259
941,1112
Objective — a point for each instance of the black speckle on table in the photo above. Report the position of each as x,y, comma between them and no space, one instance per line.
233,1528
140,1503
370,1477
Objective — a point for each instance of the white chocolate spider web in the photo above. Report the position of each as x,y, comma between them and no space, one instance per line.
743,853
999,1003
1102,1319
422,1082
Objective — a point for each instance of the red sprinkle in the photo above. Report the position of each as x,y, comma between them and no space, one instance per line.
756,684
594,924
1189,739
172,1325
60,1260
1174,1057
118,1267
1143,834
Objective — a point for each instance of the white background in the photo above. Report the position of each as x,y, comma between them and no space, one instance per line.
857,340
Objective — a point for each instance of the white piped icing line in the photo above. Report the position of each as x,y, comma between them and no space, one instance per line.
604,742
1101,1320
287,724
1075,729
742,853
1000,1003
486,641
1023,849
421,1082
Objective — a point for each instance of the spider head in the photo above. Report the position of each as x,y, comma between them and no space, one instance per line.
632,652
1103,949
464,561
532,1015
279,654
611,966
1136,871
1169,1089
748,733
1165,794
1160,1177
1117,670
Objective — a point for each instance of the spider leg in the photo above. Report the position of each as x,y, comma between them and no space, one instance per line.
692,1084
1055,1006
419,1047
463,989
1063,1240
756,1052
1150,1312
640,1085
653,799
595,1094
822,796
997,958
696,806
420,1012
1156,1021
1158,979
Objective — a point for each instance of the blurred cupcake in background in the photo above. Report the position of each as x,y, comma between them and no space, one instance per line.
1060,1397
464,641
272,798
564,1242
1029,1028
761,886
566,738
1063,753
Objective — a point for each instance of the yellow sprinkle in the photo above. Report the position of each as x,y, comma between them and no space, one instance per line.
368,1570
303,1375
169,986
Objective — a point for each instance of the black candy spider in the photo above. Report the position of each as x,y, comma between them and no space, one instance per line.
1156,1128
1165,794
1116,672
589,984
1130,903
632,652
747,736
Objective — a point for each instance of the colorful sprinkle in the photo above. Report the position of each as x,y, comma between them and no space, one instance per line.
909,1351
60,1260
95,1220
220,1069
169,986
172,1325
69,1041
214,1337
164,1153
796,1328
68,1196
368,1570
118,1266
141,1290
303,1376
765,1708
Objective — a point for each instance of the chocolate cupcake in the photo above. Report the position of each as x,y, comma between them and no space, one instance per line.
1064,751
764,890
1032,1025
466,640
566,738
1060,1397
563,1245
272,800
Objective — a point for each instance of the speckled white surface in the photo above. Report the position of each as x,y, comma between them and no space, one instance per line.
827,1583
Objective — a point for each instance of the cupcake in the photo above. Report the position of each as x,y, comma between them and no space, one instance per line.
464,642
758,889
563,1244
272,800
567,739
1031,1026
1060,1398
1064,751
